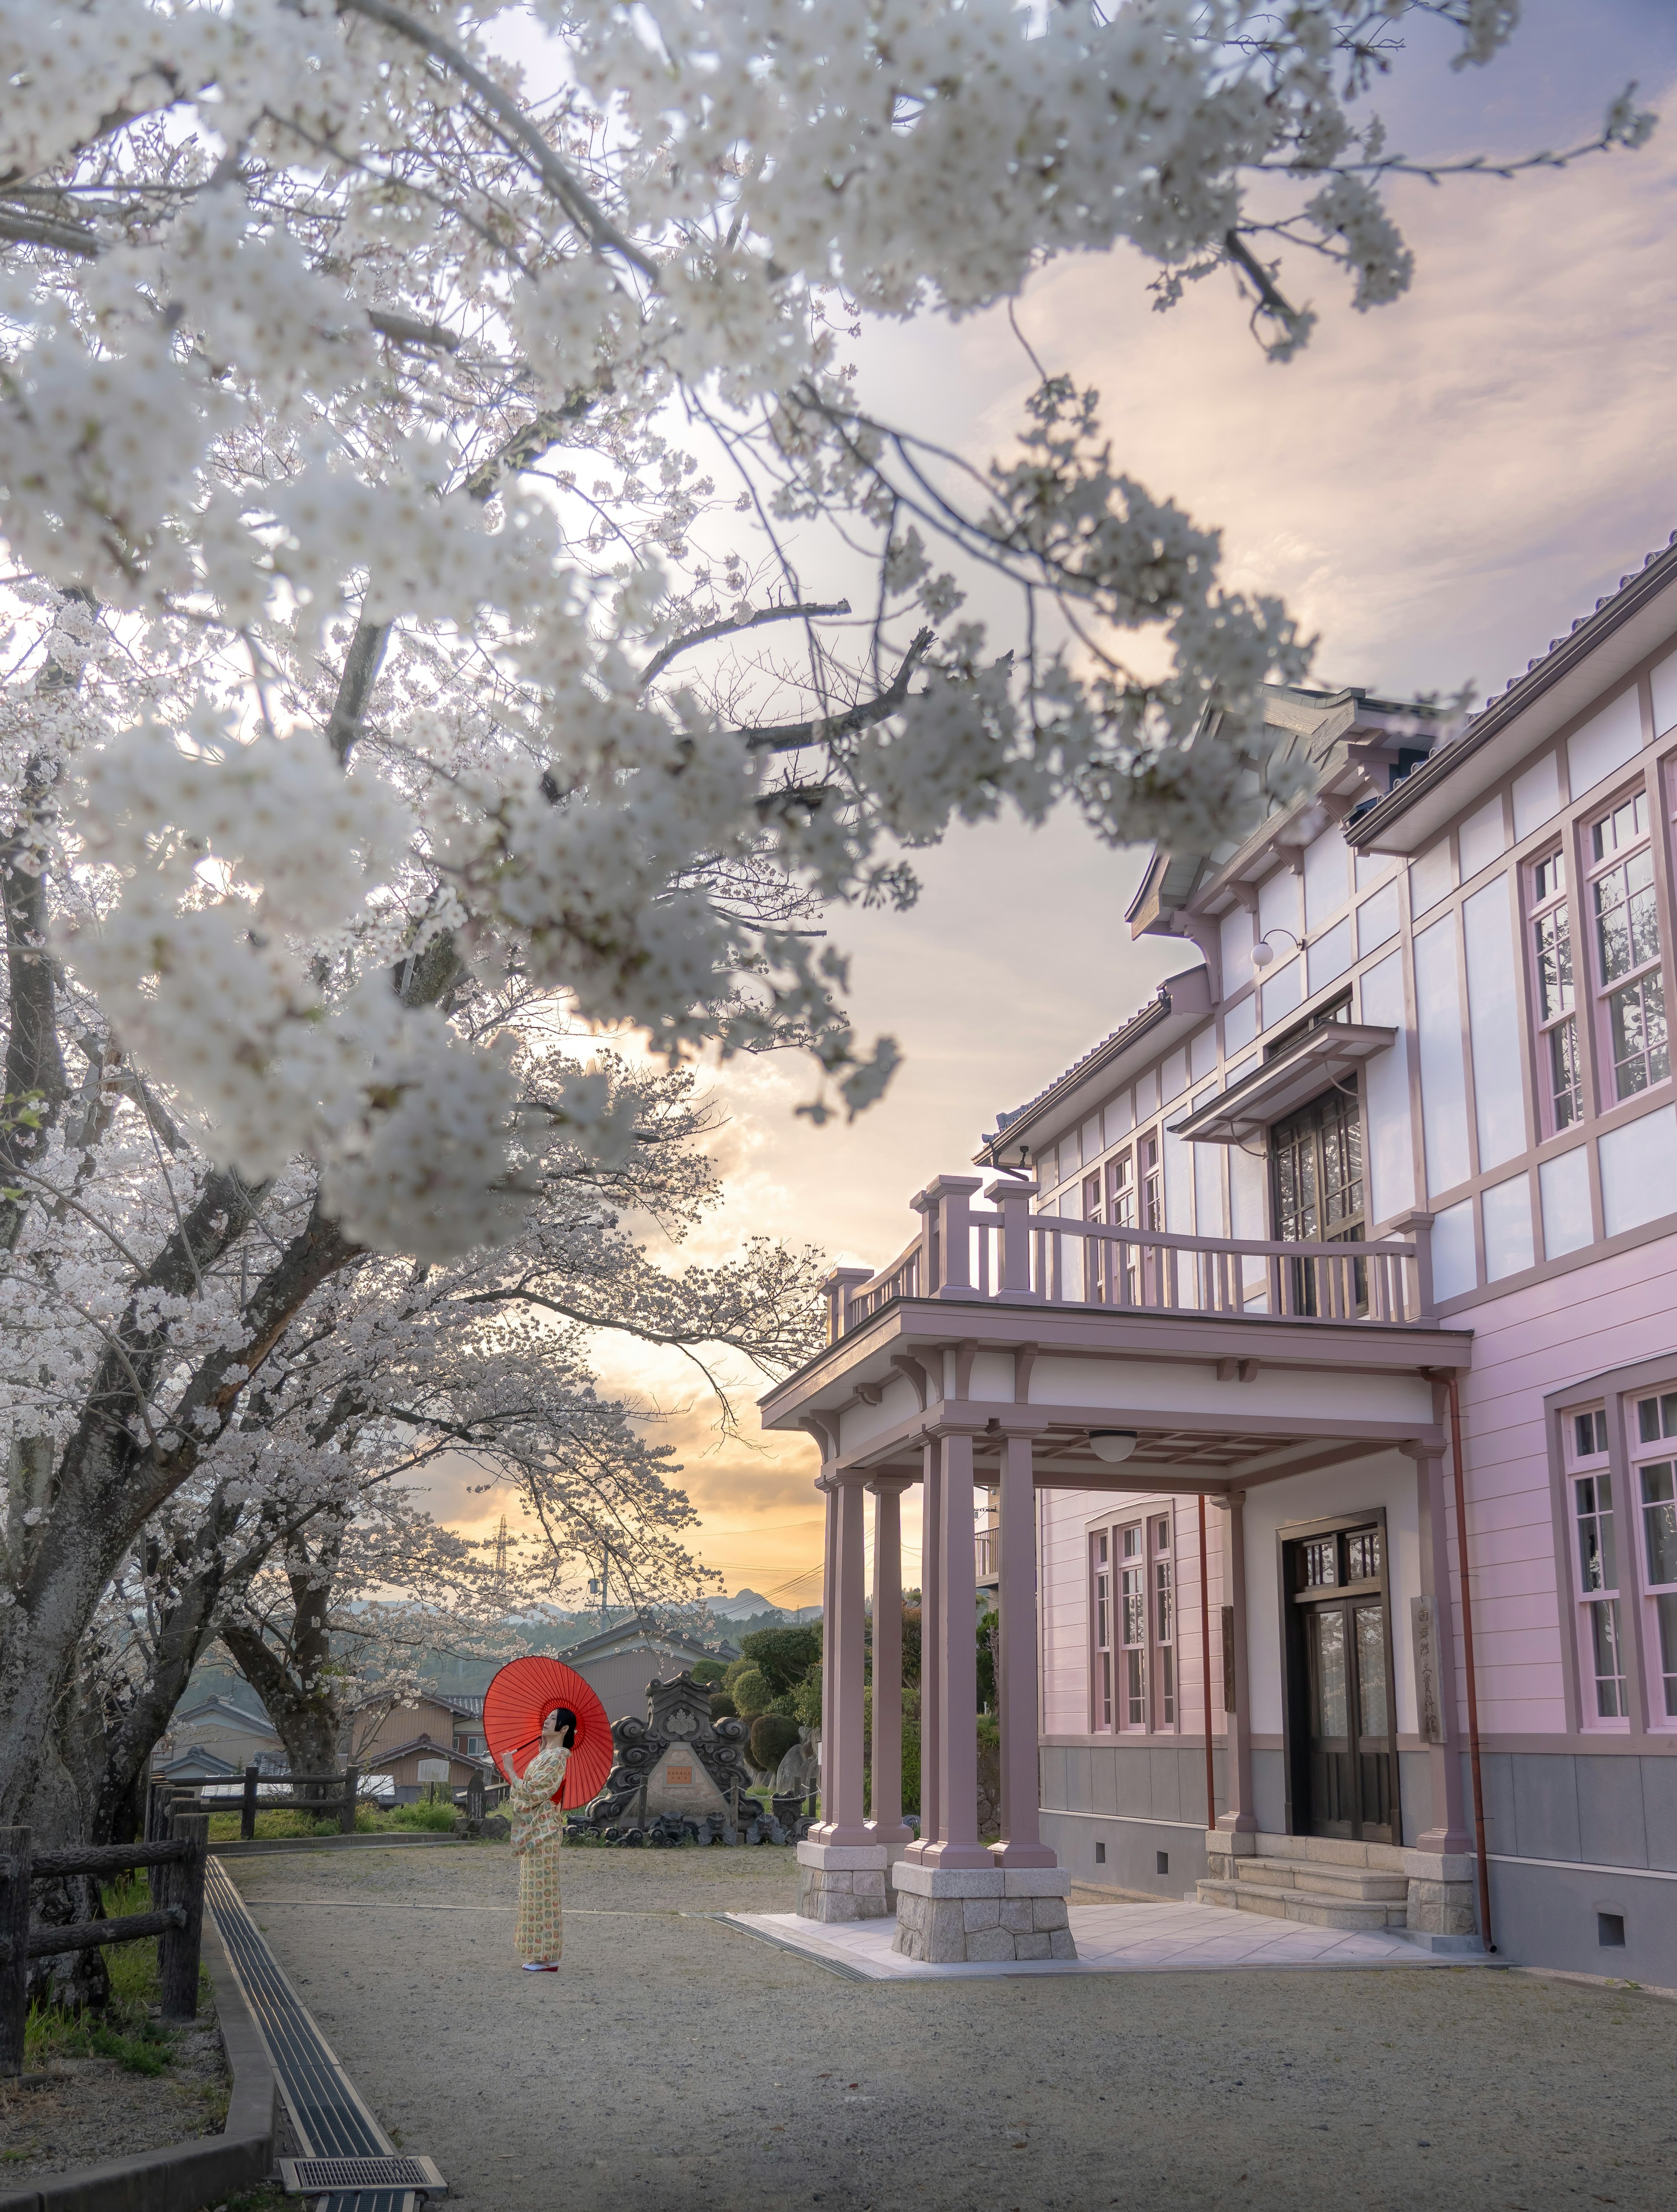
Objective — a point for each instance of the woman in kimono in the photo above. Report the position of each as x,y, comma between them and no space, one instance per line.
537,1826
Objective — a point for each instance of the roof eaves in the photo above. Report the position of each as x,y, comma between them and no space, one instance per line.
1611,612
1141,1024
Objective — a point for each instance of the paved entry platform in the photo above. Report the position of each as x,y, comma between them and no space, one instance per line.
1111,1939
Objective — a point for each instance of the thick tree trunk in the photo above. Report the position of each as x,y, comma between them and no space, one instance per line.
297,1682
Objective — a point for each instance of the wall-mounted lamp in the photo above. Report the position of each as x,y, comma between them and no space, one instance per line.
1113,1444
1263,952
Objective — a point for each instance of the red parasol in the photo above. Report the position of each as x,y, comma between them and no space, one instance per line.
519,1699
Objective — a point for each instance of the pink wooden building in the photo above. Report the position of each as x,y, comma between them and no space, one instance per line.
1372,1208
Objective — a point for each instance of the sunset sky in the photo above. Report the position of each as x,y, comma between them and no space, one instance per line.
1437,488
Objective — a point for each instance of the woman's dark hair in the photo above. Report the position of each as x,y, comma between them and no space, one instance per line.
566,1721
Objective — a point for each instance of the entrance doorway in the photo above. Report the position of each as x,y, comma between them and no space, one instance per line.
1341,1727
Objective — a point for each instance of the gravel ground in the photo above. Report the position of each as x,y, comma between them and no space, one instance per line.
86,2109
675,2063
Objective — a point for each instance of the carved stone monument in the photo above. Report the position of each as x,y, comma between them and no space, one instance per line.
679,1772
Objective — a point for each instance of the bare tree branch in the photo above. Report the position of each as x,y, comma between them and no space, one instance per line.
660,661
790,736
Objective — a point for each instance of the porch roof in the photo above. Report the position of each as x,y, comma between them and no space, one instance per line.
1217,1402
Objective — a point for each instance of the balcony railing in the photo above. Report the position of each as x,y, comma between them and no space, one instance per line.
1008,1255
986,1554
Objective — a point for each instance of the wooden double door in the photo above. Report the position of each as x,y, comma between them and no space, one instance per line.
1341,1735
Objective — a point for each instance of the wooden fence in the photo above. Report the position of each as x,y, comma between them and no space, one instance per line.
344,1788
176,1865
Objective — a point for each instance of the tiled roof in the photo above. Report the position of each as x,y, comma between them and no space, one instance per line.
1542,672
1161,999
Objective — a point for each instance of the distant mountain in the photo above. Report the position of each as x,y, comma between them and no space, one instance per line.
742,1606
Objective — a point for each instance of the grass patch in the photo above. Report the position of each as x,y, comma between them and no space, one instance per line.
277,1823
284,1823
125,2032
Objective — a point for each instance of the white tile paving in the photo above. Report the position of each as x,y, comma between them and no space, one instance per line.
1112,1939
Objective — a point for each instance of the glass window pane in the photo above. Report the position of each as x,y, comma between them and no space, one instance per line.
1659,1521
1371,1668
1609,1675
1669,1414
1333,1700
1647,1420
1667,1609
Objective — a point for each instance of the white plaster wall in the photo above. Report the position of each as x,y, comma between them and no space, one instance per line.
1143,1386
858,1425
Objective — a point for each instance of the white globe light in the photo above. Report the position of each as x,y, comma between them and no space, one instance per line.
1262,954
1112,1445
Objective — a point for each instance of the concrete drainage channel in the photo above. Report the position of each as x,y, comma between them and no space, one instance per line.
275,2049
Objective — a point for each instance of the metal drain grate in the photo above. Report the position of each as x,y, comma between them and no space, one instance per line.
308,2177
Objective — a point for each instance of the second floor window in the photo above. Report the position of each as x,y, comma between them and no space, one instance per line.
1625,915
1550,927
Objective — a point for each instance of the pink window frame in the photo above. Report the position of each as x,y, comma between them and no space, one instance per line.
1103,1684
1639,1455
1587,970
1579,1468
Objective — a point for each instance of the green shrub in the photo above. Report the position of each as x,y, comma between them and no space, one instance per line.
772,1737
439,1819
708,1670
752,1691
806,1699
722,1706
784,1656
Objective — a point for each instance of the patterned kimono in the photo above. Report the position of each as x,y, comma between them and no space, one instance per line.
537,1826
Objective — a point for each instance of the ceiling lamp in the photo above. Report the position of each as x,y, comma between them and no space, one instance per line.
1113,1444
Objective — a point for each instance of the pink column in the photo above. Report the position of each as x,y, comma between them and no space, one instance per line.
1021,1843
824,1484
958,1665
886,1825
1238,1817
845,1642
931,1584
1448,1828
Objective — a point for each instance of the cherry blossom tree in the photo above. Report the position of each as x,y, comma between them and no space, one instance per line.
412,480
165,1490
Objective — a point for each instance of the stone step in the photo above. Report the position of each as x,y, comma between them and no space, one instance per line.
1318,1908
1333,1850
1322,1878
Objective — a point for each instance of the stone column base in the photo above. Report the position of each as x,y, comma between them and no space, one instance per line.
842,1881
961,1916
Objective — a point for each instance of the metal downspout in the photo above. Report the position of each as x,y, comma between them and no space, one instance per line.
1484,1870
1205,1670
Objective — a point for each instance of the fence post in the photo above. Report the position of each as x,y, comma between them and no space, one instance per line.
178,1950
346,1818
247,1811
14,1962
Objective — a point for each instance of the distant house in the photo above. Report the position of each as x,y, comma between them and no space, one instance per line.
414,1766
438,1717
194,1764
221,1737
618,1664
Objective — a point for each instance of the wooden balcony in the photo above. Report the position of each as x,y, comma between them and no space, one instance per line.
1004,1254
